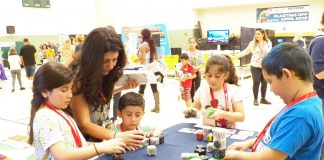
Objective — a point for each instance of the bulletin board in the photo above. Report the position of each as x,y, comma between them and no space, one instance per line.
36,3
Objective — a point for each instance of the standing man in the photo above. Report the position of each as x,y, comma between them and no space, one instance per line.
27,55
316,51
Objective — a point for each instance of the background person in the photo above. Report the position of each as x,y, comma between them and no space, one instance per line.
197,61
259,47
316,51
15,69
27,54
148,56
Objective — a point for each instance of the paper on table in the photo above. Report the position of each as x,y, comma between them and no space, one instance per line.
248,133
239,136
187,130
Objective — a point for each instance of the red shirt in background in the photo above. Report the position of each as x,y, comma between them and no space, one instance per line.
185,70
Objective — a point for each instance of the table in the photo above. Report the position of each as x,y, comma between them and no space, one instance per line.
174,144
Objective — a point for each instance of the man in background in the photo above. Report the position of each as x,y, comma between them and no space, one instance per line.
316,51
27,55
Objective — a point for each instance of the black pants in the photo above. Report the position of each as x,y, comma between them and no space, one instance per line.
160,74
195,85
258,78
153,85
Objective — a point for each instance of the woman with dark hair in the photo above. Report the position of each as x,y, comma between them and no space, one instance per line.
99,66
148,56
259,47
197,61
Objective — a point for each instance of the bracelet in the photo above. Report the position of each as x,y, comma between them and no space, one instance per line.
115,134
94,145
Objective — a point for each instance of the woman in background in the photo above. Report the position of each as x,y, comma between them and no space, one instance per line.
15,69
259,47
147,56
67,52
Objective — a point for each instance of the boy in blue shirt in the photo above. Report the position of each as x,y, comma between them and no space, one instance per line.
296,132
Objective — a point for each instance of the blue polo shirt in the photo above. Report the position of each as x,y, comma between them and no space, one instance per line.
297,131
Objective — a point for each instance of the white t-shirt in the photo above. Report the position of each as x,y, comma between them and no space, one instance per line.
50,128
203,96
14,62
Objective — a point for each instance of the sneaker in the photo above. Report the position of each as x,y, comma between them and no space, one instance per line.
255,102
22,88
264,101
12,90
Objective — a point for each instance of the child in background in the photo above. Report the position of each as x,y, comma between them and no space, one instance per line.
220,98
187,74
131,110
15,69
54,133
297,131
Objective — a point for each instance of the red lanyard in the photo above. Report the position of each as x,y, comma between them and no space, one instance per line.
122,128
225,95
75,134
261,135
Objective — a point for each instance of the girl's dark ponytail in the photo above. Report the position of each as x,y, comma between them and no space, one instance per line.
232,78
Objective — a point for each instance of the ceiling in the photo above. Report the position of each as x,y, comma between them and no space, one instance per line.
200,4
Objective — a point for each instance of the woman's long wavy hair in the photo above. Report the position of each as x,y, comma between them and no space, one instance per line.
49,76
89,80
147,37
265,36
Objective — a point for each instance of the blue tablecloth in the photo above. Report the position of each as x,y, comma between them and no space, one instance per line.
174,144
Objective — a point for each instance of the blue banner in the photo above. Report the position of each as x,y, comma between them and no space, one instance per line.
164,47
282,14
130,38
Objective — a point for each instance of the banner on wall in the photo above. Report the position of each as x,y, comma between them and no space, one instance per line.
282,14
130,37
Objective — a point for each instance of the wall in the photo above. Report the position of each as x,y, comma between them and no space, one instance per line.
64,17
234,17
177,14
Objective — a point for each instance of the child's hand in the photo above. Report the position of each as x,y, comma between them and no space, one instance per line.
231,154
183,79
111,146
241,146
218,114
133,139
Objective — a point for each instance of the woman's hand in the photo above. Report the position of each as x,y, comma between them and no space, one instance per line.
131,84
110,146
132,139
